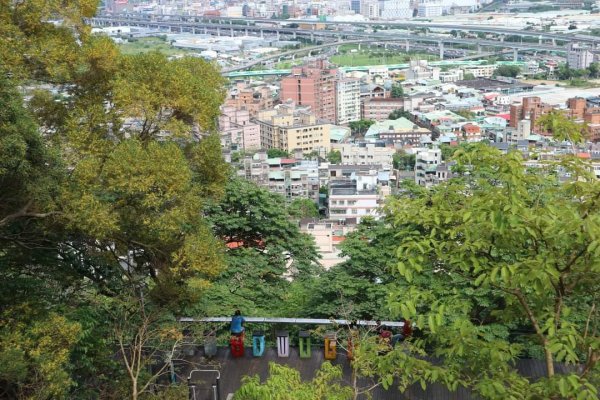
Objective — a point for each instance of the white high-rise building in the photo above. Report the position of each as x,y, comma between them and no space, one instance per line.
430,8
347,100
426,163
579,57
370,9
395,9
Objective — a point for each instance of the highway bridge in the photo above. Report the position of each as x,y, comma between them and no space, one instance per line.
406,39
336,25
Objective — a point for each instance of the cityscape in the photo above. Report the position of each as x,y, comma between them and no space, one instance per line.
300,200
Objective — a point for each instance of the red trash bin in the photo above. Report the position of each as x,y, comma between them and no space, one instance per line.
237,346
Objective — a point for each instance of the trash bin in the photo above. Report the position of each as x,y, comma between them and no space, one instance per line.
283,343
237,346
210,346
304,344
330,346
258,343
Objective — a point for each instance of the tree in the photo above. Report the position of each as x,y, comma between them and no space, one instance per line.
357,287
285,383
404,161
520,237
106,198
264,248
360,127
594,70
276,153
465,113
397,91
334,157
396,114
303,208
469,76
146,337
510,71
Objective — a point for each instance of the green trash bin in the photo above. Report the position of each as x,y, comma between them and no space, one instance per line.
304,342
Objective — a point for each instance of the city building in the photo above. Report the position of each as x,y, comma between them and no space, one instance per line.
579,56
427,161
430,8
289,128
289,177
314,85
328,235
354,198
400,131
237,131
347,100
480,71
379,108
420,69
253,99
531,108
395,9
366,154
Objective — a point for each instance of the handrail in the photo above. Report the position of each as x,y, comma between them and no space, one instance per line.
298,321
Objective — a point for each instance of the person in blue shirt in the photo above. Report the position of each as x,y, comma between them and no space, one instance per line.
237,324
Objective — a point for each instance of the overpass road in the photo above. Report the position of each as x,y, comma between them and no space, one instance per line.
194,27
404,25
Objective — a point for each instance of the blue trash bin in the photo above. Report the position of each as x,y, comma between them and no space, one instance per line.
258,343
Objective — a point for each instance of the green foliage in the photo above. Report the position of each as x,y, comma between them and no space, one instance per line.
356,288
510,71
103,182
284,383
465,113
396,114
334,157
503,247
303,208
34,354
404,161
264,247
397,91
276,153
562,128
360,127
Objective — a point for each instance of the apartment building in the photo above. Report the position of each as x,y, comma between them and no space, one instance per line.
288,128
480,71
420,69
351,199
366,154
379,108
579,56
347,100
399,131
531,108
395,9
313,85
289,177
427,161
430,8
236,129
251,99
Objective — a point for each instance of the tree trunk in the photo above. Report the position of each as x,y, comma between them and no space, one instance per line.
134,390
549,360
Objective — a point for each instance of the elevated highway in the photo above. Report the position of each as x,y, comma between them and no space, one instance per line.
224,21
406,39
